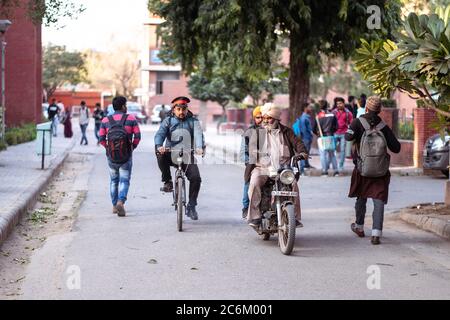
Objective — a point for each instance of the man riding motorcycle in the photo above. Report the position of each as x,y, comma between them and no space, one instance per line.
180,130
273,146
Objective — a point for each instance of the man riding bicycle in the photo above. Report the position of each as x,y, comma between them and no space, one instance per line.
180,130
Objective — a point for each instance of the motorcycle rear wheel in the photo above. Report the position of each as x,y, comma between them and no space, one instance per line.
286,230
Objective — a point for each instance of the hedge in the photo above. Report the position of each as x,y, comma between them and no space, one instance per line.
14,136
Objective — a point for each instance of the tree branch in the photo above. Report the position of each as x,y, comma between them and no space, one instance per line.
436,106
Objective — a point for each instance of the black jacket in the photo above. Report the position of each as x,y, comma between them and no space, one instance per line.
356,131
328,123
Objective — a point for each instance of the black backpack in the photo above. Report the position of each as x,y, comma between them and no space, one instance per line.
118,144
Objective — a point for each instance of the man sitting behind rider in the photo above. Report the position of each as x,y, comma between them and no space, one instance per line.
180,130
273,146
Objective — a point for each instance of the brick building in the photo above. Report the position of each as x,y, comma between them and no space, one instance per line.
161,83
23,67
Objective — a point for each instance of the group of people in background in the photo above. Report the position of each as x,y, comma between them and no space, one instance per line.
329,122
58,114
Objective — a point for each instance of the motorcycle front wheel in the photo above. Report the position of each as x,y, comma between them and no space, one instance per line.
286,229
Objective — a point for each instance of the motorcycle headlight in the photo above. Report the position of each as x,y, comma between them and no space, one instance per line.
438,144
287,177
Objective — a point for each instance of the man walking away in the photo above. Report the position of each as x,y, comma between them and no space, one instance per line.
120,135
84,122
53,114
371,176
344,118
98,117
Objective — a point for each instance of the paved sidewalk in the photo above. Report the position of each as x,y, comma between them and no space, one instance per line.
227,146
22,179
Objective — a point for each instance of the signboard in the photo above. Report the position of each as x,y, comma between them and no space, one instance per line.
154,58
44,138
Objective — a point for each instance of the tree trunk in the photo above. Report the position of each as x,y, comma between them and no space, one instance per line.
298,78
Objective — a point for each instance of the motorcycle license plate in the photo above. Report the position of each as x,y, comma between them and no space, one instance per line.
284,193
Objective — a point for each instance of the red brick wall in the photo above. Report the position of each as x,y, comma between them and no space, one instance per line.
405,157
70,98
23,69
422,131
390,117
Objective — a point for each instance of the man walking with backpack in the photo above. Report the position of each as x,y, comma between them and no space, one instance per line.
120,135
371,176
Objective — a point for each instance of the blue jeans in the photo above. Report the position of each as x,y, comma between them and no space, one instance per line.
245,199
305,163
120,175
327,158
55,125
340,140
83,132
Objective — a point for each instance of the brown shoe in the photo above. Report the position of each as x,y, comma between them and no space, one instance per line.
114,210
358,231
375,240
120,209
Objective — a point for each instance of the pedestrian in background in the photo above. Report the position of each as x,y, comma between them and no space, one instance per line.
302,128
344,119
53,116
98,117
67,122
84,122
365,184
325,127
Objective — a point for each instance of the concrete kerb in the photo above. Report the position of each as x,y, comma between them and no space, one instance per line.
11,218
428,223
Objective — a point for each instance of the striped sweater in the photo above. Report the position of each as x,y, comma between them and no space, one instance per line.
131,127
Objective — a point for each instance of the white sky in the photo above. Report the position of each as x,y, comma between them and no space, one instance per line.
103,25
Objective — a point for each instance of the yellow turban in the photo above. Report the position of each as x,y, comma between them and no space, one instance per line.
256,111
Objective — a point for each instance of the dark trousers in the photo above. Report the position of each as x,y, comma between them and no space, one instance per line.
97,129
192,174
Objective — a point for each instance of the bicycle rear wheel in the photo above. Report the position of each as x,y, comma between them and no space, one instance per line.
180,205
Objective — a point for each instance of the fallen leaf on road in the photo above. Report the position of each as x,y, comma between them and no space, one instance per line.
152,261
195,269
5,254
15,281
155,241
385,264
413,274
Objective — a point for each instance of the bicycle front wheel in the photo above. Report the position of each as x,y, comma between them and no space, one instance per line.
180,204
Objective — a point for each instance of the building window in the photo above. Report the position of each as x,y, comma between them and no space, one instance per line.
167,75
159,87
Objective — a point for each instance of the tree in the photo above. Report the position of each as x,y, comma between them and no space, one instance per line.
62,67
48,12
417,62
116,69
247,32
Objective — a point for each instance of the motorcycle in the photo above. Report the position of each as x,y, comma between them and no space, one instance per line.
277,205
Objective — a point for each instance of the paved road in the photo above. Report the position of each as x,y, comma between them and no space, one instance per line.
220,257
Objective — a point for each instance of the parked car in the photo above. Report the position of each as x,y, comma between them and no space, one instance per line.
156,112
137,110
436,154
